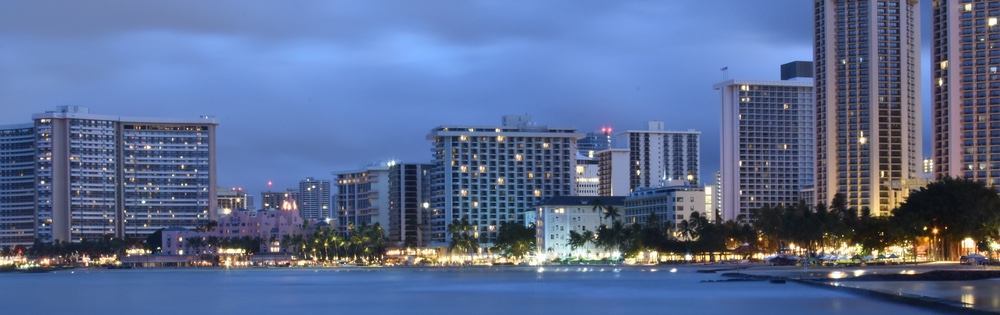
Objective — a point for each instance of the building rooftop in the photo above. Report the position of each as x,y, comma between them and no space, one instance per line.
583,200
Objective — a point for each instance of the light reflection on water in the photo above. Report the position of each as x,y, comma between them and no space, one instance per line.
979,293
552,290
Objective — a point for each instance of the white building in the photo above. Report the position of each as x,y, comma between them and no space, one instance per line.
613,173
362,197
672,204
314,199
767,151
97,175
490,174
868,109
557,216
587,179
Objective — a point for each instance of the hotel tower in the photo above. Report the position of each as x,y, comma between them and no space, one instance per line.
92,176
965,89
867,79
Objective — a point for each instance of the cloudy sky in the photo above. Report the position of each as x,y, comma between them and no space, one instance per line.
304,88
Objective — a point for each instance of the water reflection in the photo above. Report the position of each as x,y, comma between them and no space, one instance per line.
983,294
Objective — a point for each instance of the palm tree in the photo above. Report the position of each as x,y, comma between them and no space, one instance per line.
462,236
610,212
599,207
576,240
195,242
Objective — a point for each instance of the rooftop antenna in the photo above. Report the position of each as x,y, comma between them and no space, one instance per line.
725,73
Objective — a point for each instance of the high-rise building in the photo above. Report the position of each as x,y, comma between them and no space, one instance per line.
587,178
867,87
314,199
965,89
613,173
96,175
409,204
595,141
490,174
682,156
17,184
231,200
279,200
767,151
657,156
362,197
646,155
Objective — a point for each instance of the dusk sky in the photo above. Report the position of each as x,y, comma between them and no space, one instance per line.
305,88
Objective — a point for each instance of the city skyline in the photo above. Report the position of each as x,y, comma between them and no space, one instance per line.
291,97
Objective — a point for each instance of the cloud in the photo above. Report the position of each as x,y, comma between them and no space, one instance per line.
306,88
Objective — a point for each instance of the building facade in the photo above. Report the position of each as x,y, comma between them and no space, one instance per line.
409,204
646,155
362,197
557,216
490,174
230,200
314,199
867,88
672,204
97,175
17,185
270,226
767,151
682,156
613,173
587,179
965,90
271,200
595,141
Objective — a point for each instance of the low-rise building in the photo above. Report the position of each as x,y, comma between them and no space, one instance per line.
268,225
557,216
672,204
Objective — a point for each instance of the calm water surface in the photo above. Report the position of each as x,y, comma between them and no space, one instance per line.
417,291
983,294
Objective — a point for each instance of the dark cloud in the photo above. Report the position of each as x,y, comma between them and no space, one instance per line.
306,88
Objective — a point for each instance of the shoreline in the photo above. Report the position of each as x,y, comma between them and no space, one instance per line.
823,277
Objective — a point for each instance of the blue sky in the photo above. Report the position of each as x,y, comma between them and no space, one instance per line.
304,88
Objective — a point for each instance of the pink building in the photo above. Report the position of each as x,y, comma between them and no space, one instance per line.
269,225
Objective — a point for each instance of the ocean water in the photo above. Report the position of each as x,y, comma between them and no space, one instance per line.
511,290
983,294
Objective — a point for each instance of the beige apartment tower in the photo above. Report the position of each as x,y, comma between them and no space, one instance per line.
965,89
867,79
